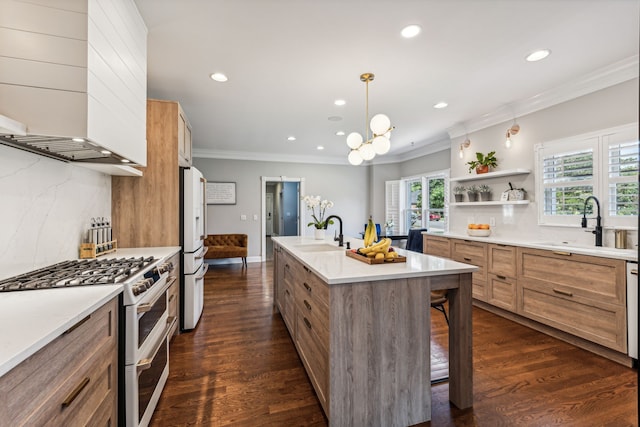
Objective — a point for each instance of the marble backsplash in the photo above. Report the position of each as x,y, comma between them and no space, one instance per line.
46,207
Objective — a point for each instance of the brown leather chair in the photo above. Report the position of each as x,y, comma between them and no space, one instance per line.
438,298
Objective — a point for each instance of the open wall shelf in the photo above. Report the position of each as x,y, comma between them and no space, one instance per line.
492,203
489,175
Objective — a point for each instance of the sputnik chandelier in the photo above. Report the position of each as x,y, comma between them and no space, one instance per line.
379,143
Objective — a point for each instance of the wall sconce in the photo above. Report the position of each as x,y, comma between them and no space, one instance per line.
465,144
513,130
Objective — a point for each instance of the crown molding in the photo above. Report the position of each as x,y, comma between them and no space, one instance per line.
611,75
268,157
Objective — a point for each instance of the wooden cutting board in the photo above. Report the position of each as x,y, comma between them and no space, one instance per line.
368,260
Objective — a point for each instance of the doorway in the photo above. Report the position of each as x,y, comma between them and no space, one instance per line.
281,210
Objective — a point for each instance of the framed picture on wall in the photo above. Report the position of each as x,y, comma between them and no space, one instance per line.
221,193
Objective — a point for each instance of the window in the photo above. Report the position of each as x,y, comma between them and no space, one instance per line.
418,202
604,164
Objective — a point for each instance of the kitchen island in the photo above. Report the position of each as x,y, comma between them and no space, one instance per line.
363,331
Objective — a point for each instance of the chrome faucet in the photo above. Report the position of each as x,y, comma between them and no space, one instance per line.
598,229
340,238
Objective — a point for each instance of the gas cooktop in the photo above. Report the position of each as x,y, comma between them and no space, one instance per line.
78,273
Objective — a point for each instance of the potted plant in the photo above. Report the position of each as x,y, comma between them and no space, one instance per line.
472,193
458,192
485,192
483,163
319,221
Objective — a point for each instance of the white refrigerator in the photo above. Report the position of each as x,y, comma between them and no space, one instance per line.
192,235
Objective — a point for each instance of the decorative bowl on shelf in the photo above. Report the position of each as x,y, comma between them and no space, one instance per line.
478,232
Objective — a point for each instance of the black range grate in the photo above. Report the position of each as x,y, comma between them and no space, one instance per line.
77,273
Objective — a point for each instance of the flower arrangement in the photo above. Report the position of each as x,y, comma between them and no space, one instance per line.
389,224
316,202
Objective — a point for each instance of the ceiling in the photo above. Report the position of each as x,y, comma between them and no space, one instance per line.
288,61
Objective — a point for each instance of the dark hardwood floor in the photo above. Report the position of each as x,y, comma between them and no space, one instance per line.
239,368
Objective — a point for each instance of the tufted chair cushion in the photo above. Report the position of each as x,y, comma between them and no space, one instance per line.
226,246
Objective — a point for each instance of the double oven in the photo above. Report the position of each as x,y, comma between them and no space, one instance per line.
144,333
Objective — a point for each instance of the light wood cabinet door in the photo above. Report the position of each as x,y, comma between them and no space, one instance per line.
582,295
184,140
502,260
72,381
474,253
437,246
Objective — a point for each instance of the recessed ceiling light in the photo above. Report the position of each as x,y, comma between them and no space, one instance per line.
291,138
340,102
538,55
105,151
334,118
77,139
219,77
340,133
440,105
124,161
320,147
410,31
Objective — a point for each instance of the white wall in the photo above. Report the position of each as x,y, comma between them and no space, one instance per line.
346,186
46,207
616,105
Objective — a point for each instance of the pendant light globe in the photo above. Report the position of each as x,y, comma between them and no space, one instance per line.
354,140
381,144
380,124
367,151
355,158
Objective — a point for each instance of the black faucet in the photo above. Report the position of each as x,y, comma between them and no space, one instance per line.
340,237
598,230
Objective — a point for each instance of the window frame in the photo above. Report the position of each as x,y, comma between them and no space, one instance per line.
600,142
425,208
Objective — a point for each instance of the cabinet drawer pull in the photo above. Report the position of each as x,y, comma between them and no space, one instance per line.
171,298
565,293
562,253
77,325
286,266
467,259
75,392
307,287
306,322
306,304
286,291
501,277
306,268
634,271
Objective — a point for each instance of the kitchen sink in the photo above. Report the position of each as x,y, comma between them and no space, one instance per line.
320,247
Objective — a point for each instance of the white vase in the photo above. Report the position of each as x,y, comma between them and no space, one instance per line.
319,233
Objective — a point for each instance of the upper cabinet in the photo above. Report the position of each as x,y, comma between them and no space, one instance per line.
184,139
76,69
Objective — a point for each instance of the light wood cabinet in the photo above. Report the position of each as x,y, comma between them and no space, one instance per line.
436,245
72,381
501,277
184,139
474,253
582,295
146,210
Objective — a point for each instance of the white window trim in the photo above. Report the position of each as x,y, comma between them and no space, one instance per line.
600,142
443,173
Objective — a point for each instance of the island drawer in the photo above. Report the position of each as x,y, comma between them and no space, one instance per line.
313,350
313,287
316,313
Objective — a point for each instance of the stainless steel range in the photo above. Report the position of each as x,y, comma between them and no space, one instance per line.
144,321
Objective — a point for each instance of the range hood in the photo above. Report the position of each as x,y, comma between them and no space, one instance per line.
66,149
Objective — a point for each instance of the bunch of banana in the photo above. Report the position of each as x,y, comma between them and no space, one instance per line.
370,234
378,250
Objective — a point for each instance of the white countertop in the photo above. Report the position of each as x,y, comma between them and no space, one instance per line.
29,320
605,252
334,267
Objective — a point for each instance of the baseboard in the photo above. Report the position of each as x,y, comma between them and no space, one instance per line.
224,261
